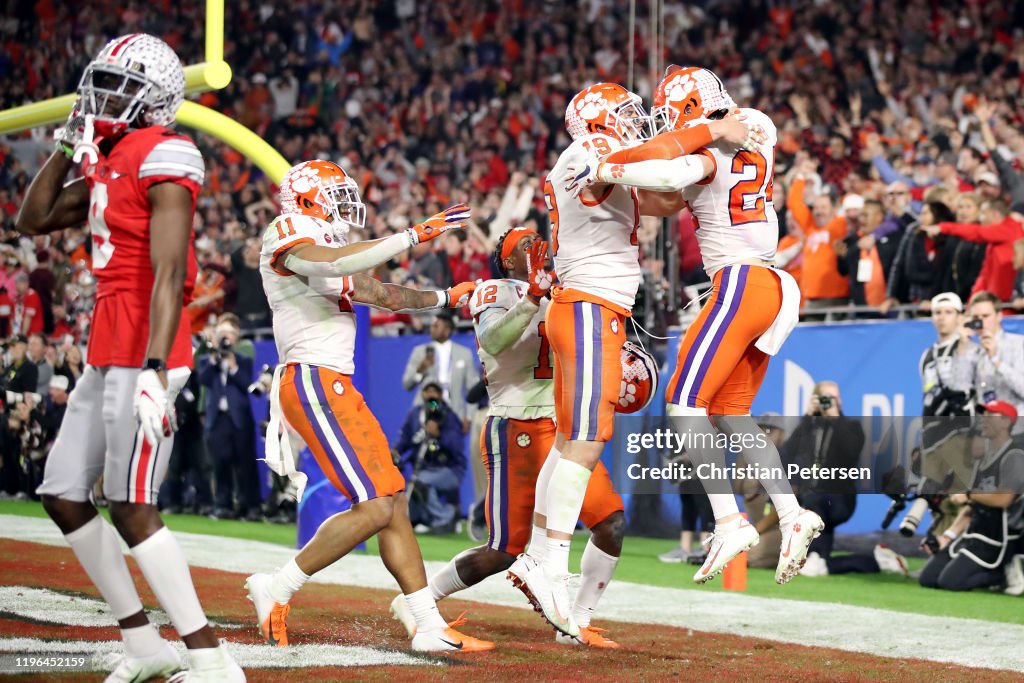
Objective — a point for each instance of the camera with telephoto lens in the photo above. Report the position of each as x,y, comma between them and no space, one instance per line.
825,402
263,381
434,410
974,324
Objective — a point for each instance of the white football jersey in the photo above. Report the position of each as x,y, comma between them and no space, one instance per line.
594,246
313,318
733,208
520,379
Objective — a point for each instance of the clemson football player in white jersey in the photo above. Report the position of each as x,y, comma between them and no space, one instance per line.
596,256
752,308
311,276
509,316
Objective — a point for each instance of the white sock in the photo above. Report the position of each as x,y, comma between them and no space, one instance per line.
98,550
723,505
540,491
141,641
208,658
596,570
163,564
424,611
556,557
446,582
538,544
286,582
787,507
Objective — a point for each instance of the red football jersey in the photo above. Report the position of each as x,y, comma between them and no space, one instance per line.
119,220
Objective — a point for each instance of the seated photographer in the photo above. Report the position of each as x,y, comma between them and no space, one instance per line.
826,438
431,445
994,367
983,539
230,429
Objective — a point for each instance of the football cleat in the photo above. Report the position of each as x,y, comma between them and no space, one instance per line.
890,561
449,640
401,612
796,539
590,636
271,616
161,664
210,665
549,595
723,545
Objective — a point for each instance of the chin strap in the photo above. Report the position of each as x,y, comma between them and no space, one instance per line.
86,147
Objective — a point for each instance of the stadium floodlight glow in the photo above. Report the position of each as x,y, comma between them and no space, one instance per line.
212,74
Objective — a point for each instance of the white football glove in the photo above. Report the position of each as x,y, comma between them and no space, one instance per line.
577,178
151,407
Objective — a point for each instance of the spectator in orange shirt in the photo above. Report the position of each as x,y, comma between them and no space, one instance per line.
821,284
207,298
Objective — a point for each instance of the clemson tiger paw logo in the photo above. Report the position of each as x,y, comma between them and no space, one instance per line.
617,170
523,440
627,394
338,387
679,87
615,326
590,106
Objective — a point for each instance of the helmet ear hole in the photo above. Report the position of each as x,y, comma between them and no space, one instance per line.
306,203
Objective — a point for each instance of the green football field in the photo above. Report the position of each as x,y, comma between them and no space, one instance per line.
639,564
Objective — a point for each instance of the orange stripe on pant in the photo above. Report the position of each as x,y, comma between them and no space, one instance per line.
586,337
513,452
719,368
323,406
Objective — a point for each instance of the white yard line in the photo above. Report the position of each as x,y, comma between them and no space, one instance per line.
844,627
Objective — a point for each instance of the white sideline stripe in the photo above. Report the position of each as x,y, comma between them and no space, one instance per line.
884,633
43,604
248,656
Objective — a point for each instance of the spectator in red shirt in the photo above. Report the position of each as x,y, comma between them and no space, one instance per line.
27,311
999,231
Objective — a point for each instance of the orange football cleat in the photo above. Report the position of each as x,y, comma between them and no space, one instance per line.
590,636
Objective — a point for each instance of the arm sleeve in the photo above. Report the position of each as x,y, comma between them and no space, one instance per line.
500,315
409,376
961,371
660,175
1011,471
974,232
350,264
243,376
669,145
1011,364
1012,182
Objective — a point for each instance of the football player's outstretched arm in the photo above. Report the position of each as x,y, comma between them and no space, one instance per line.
314,260
170,231
659,175
367,290
50,204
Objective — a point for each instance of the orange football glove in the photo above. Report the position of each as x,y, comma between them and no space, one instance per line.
540,280
438,224
458,296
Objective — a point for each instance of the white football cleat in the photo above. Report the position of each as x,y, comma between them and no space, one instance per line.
796,539
890,561
271,616
723,545
1015,576
401,612
210,665
549,595
447,639
162,664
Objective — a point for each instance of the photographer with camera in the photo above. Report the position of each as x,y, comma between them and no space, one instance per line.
984,540
826,438
230,429
994,367
431,443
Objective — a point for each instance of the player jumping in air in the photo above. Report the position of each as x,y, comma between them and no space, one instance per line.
312,277
138,196
753,305
596,255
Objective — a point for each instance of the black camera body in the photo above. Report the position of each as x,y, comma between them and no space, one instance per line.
974,324
434,410
825,402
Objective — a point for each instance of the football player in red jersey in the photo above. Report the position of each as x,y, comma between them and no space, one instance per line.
138,194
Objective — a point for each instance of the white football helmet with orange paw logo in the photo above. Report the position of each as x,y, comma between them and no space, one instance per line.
687,94
323,190
609,109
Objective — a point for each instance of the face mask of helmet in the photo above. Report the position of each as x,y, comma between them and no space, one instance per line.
342,202
116,98
632,123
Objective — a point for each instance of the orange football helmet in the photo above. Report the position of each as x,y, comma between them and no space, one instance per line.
323,190
639,379
686,94
609,109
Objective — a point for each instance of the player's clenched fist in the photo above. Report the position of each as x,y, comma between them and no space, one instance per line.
438,224
540,279
458,296
150,407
